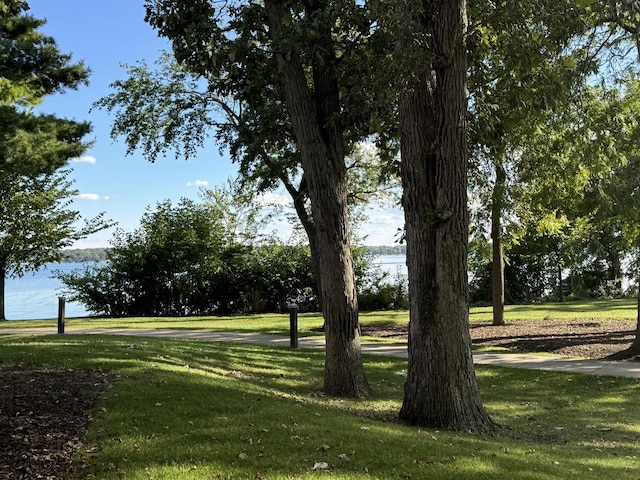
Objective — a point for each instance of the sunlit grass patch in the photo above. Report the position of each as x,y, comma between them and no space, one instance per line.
624,308
309,324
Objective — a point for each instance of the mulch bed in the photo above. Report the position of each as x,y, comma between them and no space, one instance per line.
43,418
593,339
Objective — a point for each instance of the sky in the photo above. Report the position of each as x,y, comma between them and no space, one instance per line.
105,35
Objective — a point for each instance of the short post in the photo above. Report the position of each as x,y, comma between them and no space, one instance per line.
61,301
293,324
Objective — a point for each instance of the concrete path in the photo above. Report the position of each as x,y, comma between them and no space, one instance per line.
511,360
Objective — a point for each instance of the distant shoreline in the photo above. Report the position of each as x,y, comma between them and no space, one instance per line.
84,255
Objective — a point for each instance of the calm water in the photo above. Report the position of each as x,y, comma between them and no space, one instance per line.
392,263
35,296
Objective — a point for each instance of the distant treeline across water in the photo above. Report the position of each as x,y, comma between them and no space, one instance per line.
84,255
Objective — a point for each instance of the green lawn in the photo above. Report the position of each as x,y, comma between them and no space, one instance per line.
184,409
626,308
308,324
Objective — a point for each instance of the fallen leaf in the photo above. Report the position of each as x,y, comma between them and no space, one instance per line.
320,466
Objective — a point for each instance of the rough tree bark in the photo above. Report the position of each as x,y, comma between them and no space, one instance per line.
634,348
314,114
497,265
441,388
559,271
3,275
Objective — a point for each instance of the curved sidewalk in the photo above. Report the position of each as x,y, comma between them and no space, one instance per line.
510,360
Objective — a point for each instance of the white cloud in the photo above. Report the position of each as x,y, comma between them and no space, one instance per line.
84,159
382,226
94,197
198,183
270,199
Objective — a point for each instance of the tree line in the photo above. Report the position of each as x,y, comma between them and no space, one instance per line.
83,255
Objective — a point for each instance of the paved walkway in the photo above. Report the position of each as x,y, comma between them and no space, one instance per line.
511,360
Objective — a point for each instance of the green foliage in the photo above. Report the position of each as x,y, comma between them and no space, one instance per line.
385,294
37,144
526,63
527,280
202,258
31,66
222,76
556,139
36,221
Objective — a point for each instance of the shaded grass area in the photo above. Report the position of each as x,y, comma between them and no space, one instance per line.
184,409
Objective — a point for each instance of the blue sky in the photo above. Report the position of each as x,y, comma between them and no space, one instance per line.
105,35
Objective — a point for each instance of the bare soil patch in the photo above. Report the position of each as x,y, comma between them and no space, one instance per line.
593,339
43,418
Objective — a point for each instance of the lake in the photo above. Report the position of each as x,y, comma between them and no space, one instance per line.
35,296
392,264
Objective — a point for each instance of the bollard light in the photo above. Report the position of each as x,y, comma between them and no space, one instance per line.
293,324
61,301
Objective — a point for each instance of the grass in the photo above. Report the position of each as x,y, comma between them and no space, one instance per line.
625,308
309,323
184,409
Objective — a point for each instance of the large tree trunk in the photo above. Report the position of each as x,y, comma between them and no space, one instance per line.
3,276
497,266
634,349
615,267
314,113
441,388
560,279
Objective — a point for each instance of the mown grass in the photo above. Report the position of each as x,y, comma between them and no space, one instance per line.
310,323
184,409
625,308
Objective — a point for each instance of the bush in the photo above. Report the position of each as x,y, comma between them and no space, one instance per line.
385,294
184,260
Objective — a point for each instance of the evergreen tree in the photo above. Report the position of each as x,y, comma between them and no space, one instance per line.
36,220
